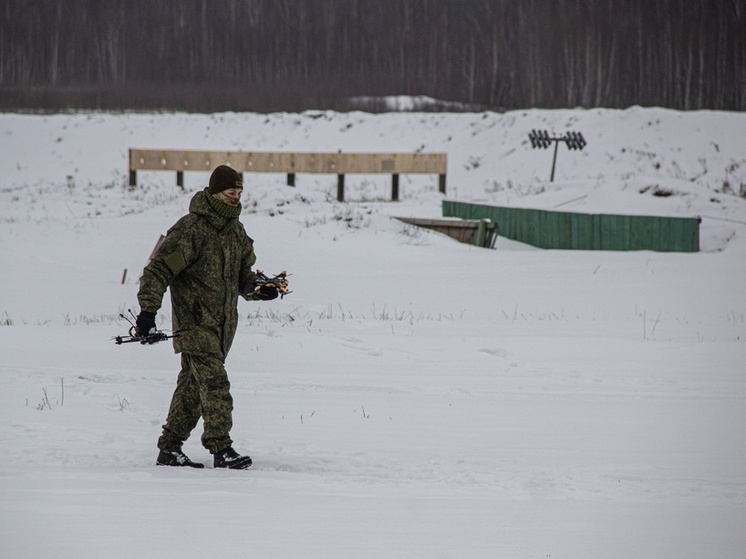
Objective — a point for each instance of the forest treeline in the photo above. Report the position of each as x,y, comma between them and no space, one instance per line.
264,55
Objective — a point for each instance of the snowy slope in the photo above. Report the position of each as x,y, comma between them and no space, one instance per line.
413,397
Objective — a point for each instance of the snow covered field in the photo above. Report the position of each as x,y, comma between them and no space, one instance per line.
413,396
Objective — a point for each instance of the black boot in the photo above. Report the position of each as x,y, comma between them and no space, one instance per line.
229,458
176,458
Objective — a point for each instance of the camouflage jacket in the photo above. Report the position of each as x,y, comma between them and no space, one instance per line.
206,261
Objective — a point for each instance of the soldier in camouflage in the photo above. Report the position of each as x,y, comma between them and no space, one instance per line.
206,260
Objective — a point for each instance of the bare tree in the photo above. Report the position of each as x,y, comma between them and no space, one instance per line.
686,54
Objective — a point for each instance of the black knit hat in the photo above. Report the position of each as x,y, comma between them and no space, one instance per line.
223,178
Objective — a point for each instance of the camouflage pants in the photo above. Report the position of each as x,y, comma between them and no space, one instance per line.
202,390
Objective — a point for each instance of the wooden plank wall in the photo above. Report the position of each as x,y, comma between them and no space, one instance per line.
291,163
279,162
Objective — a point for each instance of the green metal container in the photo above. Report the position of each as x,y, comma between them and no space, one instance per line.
566,230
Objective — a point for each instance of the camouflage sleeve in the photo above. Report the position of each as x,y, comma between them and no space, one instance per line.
173,255
247,276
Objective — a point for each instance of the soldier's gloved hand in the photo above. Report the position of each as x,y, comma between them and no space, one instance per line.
266,293
145,322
